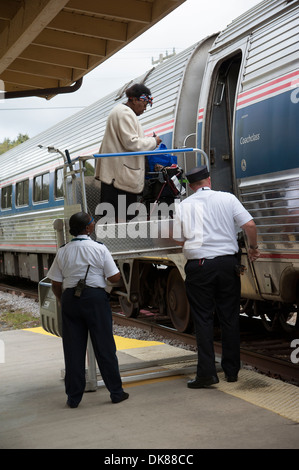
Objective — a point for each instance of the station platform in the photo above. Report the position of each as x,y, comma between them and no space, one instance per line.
256,412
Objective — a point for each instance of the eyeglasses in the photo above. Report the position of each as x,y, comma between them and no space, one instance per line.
147,98
90,222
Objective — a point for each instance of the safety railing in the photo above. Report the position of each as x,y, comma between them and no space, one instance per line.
157,152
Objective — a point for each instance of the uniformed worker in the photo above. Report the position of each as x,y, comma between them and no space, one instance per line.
207,222
88,313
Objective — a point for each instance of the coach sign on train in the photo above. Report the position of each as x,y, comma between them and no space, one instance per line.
234,95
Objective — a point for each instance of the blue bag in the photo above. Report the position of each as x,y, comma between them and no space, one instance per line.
165,159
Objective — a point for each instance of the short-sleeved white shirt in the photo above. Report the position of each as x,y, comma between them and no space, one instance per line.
208,222
72,260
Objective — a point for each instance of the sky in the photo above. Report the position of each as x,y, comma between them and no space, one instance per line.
188,24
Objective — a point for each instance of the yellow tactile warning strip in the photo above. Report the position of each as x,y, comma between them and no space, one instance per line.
39,329
129,343
121,343
271,394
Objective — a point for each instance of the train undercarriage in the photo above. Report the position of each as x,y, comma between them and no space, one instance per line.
156,286
151,285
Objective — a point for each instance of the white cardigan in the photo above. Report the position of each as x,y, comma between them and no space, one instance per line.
124,134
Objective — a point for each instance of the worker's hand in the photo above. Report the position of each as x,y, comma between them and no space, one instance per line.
253,254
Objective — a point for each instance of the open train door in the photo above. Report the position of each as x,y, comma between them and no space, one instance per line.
218,130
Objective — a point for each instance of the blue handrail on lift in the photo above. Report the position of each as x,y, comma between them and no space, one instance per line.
156,152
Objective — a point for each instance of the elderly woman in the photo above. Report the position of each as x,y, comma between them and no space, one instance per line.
125,175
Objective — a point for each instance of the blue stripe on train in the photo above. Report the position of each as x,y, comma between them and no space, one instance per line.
266,136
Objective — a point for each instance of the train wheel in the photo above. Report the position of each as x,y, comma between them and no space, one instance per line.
268,314
247,307
270,322
128,308
289,321
177,302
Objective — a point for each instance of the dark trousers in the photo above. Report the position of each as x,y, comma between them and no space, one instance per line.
213,286
89,313
110,194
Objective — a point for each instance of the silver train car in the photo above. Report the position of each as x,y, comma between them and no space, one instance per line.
235,96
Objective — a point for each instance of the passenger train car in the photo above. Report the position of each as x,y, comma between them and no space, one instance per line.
234,95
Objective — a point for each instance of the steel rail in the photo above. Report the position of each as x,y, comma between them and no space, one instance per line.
269,365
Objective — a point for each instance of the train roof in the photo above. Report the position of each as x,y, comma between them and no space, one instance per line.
256,17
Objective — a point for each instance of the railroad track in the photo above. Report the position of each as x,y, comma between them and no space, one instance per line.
24,291
267,353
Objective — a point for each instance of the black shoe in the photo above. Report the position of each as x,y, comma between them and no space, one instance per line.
231,378
201,382
70,404
123,397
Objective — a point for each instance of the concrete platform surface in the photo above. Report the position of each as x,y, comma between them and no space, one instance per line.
254,413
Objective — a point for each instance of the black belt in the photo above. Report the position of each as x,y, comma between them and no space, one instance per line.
89,287
202,260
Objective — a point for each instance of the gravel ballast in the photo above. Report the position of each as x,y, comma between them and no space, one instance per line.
15,303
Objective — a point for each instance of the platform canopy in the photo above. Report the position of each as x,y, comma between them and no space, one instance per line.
47,46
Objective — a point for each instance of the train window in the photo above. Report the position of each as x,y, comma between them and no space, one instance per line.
22,193
6,197
41,188
59,183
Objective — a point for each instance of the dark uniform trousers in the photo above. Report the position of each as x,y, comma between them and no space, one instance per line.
89,313
212,285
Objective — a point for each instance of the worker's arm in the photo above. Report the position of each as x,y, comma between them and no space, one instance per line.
57,289
114,278
251,234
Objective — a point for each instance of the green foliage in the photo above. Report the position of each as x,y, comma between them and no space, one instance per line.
17,320
8,144
89,169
